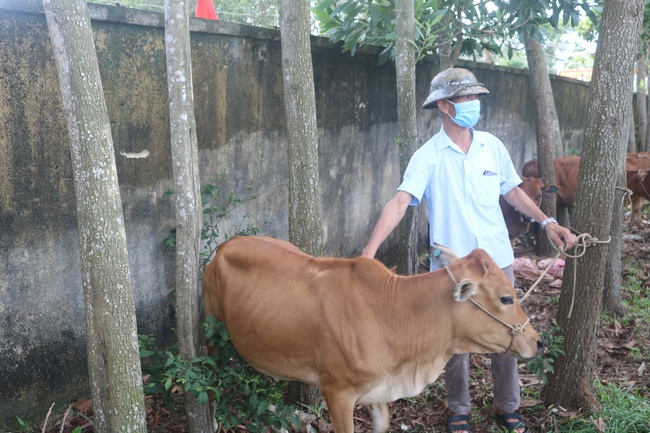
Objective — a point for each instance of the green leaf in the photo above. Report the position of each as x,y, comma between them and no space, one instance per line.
23,424
262,407
203,398
145,353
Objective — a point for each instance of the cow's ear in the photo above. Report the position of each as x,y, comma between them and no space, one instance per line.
553,189
441,255
465,290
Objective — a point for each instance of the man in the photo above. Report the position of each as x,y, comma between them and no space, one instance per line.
460,173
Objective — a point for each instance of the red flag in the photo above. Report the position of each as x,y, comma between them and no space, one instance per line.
205,9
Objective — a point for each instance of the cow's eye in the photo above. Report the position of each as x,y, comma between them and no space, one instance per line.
506,300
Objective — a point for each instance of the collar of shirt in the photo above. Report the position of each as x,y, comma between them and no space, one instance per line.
444,141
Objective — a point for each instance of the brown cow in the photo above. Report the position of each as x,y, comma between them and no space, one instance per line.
516,222
363,334
637,161
566,177
639,183
633,164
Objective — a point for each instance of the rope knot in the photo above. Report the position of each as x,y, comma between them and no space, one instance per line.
518,329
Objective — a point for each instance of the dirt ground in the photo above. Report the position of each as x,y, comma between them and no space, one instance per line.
427,413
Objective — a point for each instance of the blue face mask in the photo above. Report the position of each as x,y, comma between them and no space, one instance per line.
467,113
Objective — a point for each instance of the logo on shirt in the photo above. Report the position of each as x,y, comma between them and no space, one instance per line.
489,173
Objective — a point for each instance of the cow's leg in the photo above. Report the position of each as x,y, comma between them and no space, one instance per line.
380,418
635,215
340,406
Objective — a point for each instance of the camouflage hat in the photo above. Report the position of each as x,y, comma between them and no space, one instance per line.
452,83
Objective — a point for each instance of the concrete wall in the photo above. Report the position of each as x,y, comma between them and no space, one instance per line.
241,132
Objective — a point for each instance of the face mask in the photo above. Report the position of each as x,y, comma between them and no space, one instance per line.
467,113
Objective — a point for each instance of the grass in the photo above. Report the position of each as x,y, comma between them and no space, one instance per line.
624,411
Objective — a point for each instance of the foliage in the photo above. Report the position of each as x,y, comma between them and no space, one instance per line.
543,363
218,208
439,24
465,26
243,397
564,47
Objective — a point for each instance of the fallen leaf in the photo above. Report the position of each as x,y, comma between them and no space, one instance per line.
599,424
629,344
530,402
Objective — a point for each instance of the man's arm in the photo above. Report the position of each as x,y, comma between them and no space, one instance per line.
390,217
560,236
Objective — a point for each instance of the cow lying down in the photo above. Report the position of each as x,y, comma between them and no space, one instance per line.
359,332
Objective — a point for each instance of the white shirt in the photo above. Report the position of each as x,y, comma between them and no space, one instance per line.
462,193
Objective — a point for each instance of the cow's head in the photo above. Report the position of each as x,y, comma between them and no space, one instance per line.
491,319
534,186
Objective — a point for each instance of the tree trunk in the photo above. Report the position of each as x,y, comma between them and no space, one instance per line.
612,286
448,53
189,215
641,101
549,139
644,146
571,385
305,225
112,340
407,261
631,138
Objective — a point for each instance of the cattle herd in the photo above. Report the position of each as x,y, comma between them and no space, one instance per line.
637,166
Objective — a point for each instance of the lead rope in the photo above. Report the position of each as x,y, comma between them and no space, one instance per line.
515,329
587,240
584,240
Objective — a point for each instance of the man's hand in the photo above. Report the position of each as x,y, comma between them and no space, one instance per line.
561,236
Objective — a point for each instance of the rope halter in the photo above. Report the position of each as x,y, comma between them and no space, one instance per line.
515,330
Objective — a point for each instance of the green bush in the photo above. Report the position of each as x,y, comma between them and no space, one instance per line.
242,396
543,364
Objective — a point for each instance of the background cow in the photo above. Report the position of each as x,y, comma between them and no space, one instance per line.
637,161
639,183
566,177
363,334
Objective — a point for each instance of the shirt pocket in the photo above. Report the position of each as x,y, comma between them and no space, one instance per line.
487,185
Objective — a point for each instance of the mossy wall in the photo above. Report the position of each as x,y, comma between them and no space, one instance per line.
241,131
